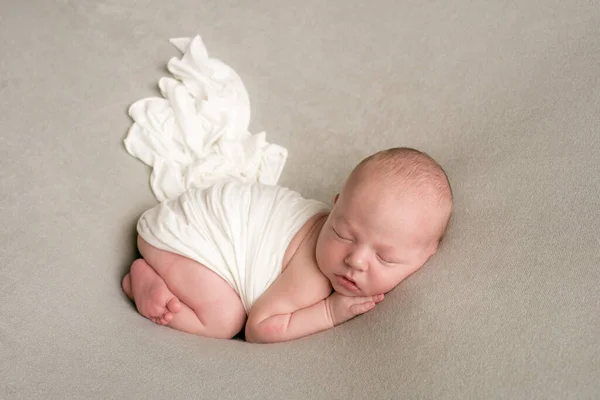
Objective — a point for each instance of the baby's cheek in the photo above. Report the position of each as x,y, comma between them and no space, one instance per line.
323,252
387,282
336,251
329,255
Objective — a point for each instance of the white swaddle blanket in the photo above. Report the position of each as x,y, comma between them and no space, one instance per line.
214,179
198,133
238,230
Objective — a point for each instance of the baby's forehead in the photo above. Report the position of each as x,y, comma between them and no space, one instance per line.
403,204
390,226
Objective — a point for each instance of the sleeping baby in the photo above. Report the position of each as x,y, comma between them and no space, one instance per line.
247,254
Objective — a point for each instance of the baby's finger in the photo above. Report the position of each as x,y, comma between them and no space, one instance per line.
362,308
362,299
378,298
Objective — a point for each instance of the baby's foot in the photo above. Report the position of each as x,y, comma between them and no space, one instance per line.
153,298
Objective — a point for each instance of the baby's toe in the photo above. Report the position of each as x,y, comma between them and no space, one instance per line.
173,305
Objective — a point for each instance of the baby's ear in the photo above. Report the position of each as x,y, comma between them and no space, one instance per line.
335,198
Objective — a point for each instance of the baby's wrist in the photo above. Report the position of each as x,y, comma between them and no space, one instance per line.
329,312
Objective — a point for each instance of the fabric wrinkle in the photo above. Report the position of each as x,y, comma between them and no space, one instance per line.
197,134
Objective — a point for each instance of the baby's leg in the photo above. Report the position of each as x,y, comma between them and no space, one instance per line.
208,305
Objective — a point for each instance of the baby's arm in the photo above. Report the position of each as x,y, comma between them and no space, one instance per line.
298,304
292,307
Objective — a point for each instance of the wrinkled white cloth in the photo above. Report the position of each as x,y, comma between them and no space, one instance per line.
239,230
198,133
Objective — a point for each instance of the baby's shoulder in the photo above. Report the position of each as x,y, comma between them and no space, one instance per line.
302,246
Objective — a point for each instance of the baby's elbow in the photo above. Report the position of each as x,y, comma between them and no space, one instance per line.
253,330
267,331
255,333
251,333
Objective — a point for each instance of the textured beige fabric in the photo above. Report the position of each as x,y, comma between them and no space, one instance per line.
505,95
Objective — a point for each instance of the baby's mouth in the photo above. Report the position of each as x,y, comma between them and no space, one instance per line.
350,279
347,283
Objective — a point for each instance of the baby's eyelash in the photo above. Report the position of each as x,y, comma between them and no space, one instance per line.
340,236
384,260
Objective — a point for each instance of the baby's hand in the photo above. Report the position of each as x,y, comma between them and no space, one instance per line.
342,308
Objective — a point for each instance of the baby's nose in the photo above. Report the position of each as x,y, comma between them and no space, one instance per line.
357,261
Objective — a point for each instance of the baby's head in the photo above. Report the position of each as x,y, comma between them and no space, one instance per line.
386,222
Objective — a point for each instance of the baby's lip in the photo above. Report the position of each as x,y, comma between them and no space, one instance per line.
347,282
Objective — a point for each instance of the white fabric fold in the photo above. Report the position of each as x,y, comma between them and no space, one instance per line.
197,133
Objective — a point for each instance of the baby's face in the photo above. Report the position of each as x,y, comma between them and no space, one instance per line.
372,241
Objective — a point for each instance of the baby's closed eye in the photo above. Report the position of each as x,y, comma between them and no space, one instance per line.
386,260
340,236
